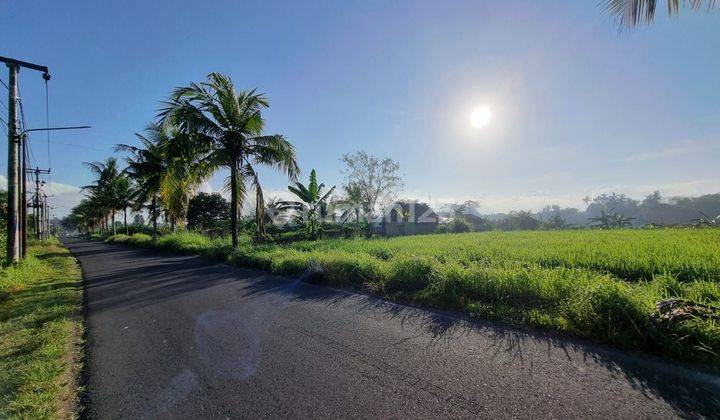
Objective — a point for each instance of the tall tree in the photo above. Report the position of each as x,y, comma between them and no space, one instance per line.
229,125
105,189
148,167
186,169
378,180
631,13
124,196
206,211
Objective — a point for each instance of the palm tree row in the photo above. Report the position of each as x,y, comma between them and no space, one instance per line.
111,192
202,128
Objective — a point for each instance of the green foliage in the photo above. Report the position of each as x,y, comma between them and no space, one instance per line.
138,239
229,126
610,220
207,212
599,284
311,208
520,220
459,225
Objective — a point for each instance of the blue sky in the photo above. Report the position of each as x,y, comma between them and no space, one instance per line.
578,108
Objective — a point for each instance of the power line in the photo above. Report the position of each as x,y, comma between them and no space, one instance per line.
4,84
81,146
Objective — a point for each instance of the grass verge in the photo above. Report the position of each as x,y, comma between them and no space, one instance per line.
40,334
601,285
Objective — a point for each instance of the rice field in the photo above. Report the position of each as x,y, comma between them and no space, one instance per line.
602,285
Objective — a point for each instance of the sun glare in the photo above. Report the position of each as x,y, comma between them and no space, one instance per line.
481,116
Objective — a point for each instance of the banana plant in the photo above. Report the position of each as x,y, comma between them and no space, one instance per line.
311,207
610,220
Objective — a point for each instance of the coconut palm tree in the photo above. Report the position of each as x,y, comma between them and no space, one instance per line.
104,191
229,125
124,195
186,169
631,13
148,168
312,205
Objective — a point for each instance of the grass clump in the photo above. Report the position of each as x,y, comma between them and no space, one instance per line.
602,285
40,334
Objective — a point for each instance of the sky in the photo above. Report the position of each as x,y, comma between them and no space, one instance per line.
577,107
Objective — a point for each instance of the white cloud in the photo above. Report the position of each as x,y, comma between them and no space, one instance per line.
54,188
206,188
65,196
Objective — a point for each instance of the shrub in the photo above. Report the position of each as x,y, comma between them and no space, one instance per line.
459,225
138,239
186,242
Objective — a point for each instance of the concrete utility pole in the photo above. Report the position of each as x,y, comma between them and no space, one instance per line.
44,223
23,201
46,217
13,251
36,202
13,229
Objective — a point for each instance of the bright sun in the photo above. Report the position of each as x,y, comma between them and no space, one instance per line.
481,116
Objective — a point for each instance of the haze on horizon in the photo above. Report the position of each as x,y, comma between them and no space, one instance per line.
517,106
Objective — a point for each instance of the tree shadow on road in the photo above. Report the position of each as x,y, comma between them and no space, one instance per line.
653,377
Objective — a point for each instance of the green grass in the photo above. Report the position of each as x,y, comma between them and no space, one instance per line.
601,285
40,334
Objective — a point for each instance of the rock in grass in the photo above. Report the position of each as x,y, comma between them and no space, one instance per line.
676,310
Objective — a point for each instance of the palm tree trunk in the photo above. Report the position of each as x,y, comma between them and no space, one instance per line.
153,214
259,211
125,216
113,221
234,201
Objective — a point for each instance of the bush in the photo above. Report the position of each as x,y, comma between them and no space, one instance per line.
138,239
459,225
185,242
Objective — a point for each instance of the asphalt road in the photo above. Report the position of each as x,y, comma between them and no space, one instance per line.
177,336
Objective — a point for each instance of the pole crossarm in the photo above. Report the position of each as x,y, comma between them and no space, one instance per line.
18,63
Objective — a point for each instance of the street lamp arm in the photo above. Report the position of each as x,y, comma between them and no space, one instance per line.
77,127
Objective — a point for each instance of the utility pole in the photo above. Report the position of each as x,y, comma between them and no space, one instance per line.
47,219
44,217
23,201
36,201
13,251
41,221
13,237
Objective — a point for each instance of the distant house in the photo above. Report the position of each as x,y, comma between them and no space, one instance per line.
408,218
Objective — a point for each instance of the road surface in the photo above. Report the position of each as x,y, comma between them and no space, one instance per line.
178,336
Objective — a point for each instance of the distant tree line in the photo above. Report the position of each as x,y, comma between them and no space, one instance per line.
605,211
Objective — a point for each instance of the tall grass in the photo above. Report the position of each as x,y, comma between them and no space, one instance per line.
597,284
40,333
